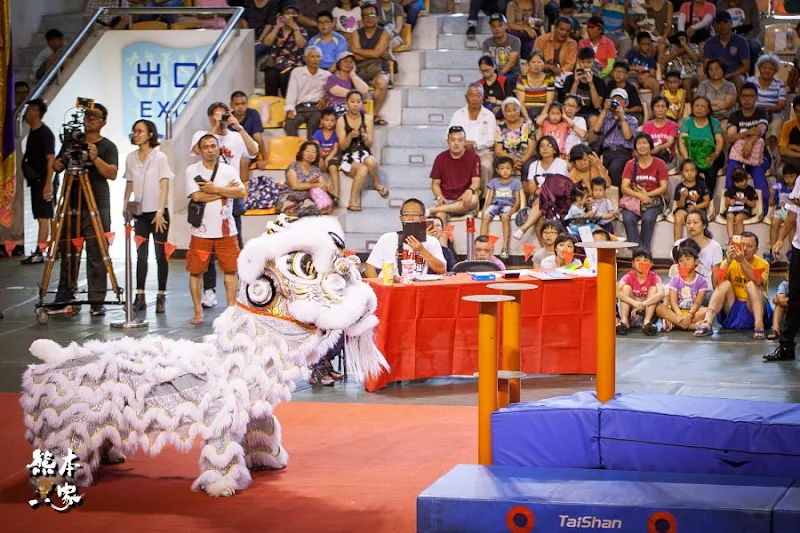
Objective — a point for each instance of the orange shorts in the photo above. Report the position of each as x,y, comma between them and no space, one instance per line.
226,248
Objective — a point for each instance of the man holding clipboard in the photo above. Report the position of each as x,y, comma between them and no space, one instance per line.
414,242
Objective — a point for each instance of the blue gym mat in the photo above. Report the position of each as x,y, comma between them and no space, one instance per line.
670,433
786,516
471,498
558,432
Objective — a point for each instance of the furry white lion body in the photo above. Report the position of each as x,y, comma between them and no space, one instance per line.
151,392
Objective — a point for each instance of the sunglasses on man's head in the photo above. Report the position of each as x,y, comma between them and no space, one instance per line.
455,129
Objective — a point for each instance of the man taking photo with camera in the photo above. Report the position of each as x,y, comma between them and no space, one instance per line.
101,164
236,147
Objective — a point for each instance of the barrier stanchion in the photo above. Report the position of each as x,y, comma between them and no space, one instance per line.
130,322
487,369
606,314
508,387
470,238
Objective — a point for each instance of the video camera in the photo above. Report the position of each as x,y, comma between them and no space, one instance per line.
73,135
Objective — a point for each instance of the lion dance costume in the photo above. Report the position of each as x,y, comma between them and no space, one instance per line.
298,293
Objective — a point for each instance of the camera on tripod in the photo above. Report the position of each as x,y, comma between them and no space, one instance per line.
73,135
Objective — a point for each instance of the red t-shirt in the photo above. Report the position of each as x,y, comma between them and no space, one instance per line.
646,178
663,134
455,174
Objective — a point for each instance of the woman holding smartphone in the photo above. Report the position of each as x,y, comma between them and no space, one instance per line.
147,174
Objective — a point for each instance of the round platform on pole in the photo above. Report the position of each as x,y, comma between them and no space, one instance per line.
487,298
505,374
512,286
614,245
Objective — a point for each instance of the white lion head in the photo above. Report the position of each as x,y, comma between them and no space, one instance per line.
297,271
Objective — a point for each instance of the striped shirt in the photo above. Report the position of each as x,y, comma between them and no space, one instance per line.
772,94
613,14
535,96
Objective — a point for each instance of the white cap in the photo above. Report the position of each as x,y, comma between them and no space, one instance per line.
620,92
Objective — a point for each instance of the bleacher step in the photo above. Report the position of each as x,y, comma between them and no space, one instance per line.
428,116
378,220
435,96
405,176
449,59
71,22
458,24
414,136
414,156
459,41
449,77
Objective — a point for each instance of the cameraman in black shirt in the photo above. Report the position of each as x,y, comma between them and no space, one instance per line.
37,167
102,166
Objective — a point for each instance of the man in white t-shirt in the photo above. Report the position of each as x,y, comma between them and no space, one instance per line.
785,348
238,147
215,184
427,255
479,124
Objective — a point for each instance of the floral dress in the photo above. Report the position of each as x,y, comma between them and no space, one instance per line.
299,203
514,140
286,52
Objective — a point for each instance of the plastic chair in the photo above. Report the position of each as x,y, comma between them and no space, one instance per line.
185,25
369,107
405,34
270,108
758,214
150,25
475,266
282,151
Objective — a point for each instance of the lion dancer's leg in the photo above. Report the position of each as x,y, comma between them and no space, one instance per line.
222,466
262,444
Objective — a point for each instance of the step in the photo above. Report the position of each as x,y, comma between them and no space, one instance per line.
70,22
411,156
459,41
437,77
404,176
361,241
427,116
435,96
451,59
397,195
458,24
417,136
25,56
38,40
376,220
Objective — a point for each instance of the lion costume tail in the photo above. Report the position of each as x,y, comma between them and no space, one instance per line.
51,352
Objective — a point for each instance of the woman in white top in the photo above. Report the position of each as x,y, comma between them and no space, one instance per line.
710,250
548,161
147,174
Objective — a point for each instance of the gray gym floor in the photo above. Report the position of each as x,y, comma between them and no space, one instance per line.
727,365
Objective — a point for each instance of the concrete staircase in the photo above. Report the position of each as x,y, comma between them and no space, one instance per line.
69,20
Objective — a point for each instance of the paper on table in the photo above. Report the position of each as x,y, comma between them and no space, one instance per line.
591,253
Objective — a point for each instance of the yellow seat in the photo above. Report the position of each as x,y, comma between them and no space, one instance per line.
271,109
185,25
150,25
282,151
188,3
369,107
405,34
261,212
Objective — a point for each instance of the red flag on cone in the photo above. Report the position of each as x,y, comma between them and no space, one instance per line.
645,266
492,239
203,254
758,272
10,245
43,245
449,232
684,271
528,248
348,253
109,237
567,256
721,273
139,240
128,231
77,242
169,249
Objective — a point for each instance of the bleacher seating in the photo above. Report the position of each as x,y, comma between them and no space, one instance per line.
282,151
758,213
150,25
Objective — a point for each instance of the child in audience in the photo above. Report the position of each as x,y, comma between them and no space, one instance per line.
564,254
781,190
740,199
690,193
503,197
550,231
578,196
347,18
639,292
642,63
328,143
553,124
781,301
602,207
599,235
687,290
675,94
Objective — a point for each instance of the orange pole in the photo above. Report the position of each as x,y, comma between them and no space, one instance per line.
606,332
512,343
487,378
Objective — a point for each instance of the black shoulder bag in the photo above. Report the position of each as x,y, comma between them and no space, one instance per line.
198,209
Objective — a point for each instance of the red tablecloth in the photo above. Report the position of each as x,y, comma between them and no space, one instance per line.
427,330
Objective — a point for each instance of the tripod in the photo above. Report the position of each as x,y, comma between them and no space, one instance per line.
66,215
